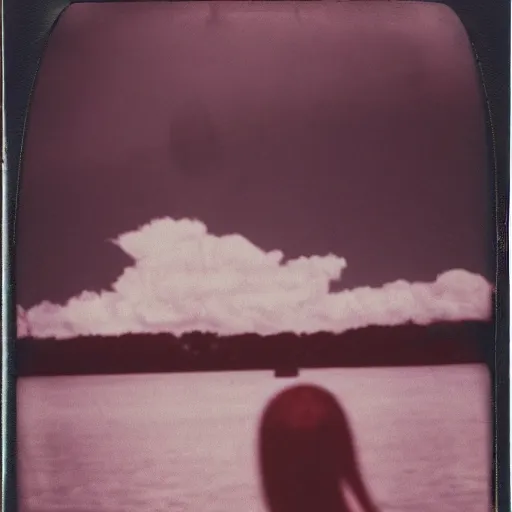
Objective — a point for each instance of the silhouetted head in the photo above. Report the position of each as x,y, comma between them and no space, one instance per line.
306,451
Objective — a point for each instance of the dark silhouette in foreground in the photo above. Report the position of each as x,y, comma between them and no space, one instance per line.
307,454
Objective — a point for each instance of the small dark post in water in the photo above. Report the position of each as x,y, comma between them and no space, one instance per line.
286,372
286,356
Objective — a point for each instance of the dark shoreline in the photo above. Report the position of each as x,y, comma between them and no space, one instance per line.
405,345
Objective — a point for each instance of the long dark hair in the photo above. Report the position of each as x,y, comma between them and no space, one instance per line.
307,453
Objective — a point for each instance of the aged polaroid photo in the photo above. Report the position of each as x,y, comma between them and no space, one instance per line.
203,182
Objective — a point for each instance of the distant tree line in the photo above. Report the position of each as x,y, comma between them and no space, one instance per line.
405,345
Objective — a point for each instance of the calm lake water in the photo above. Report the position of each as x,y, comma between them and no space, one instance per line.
186,442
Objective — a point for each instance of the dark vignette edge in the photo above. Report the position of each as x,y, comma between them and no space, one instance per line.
12,159
10,191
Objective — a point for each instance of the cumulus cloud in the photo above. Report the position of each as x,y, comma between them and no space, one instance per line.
23,328
185,279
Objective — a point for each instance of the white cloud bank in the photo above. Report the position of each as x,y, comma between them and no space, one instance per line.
184,279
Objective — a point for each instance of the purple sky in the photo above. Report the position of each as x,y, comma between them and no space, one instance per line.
310,131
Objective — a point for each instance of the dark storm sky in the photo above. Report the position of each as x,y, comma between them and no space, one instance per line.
312,131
